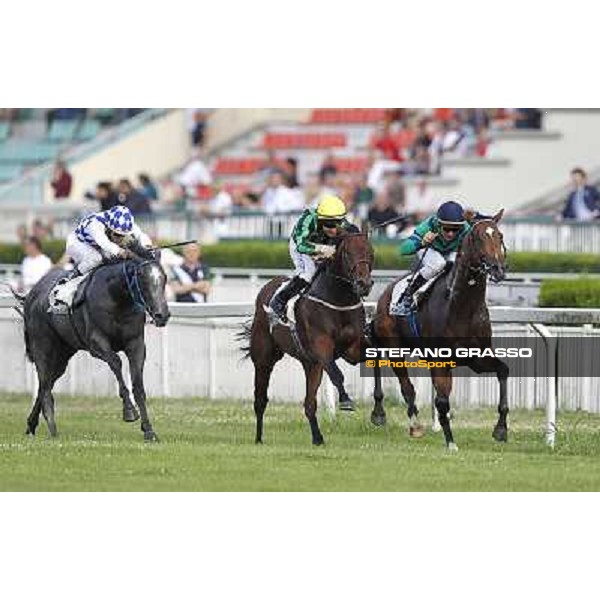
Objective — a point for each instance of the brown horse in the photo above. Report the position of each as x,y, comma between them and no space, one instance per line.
329,324
454,309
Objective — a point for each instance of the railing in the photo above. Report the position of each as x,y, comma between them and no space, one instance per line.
525,234
197,354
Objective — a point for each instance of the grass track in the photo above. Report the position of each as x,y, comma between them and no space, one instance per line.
209,446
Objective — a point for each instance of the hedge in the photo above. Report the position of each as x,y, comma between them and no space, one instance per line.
571,293
257,254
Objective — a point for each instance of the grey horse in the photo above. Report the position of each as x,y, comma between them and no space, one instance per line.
108,316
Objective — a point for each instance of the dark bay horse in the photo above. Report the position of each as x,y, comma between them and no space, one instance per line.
330,321
454,309
108,318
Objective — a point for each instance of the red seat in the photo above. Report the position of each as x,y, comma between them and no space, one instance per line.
279,141
347,115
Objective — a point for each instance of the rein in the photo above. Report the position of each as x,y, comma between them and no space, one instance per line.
134,288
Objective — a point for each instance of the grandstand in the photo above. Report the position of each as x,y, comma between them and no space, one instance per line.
486,157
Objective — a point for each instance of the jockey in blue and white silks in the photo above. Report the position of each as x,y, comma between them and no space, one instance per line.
104,235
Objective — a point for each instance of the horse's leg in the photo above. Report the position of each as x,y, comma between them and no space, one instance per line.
136,354
378,417
337,378
495,365
49,369
100,348
262,377
314,374
408,393
442,381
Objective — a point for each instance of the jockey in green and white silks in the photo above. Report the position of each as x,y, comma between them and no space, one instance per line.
312,240
435,241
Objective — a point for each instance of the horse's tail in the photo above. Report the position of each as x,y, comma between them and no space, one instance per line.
243,337
20,309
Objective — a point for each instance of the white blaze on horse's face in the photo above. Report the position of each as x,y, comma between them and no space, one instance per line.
490,231
155,274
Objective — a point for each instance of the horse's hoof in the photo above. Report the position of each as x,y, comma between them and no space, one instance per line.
319,442
30,433
500,434
130,415
416,431
150,436
378,420
347,405
452,447
436,427
259,442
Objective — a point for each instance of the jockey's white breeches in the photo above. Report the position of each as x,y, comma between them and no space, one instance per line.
84,256
305,265
433,262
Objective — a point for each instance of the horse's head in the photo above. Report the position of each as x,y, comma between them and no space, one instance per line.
354,261
152,282
484,249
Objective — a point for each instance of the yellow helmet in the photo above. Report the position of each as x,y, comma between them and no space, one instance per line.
331,207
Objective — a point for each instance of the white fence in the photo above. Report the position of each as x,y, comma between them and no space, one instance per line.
197,356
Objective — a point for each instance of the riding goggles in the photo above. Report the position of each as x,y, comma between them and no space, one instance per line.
330,223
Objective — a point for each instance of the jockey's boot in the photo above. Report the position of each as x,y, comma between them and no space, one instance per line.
62,294
278,305
406,302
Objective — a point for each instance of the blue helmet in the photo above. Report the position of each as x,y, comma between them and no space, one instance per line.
451,214
119,219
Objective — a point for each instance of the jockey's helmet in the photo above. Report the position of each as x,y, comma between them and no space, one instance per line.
120,220
451,215
331,208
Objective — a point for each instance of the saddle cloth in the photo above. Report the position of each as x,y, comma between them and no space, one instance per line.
62,295
401,286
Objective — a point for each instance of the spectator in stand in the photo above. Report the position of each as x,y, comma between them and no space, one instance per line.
328,170
62,182
194,174
381,212
9,114
147,187
40,230
105,195
35,264
482,145
134,200
64,114
190,281
278,198
221,203
22,234
528,118
583,203
199,128
420,202
386,143
396,191
363,196
290,167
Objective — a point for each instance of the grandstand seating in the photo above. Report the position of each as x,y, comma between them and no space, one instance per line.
347,115
283,141
26,141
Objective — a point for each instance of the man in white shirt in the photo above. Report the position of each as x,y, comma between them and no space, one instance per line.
279,199
35,264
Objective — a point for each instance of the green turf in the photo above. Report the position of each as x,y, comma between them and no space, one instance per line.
209,446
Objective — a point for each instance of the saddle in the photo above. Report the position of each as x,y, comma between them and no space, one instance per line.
419,296
67,294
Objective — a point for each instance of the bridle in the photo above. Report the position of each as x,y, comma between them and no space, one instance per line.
483,267
350,278
131,271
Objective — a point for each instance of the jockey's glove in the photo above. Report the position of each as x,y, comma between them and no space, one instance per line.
323,251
